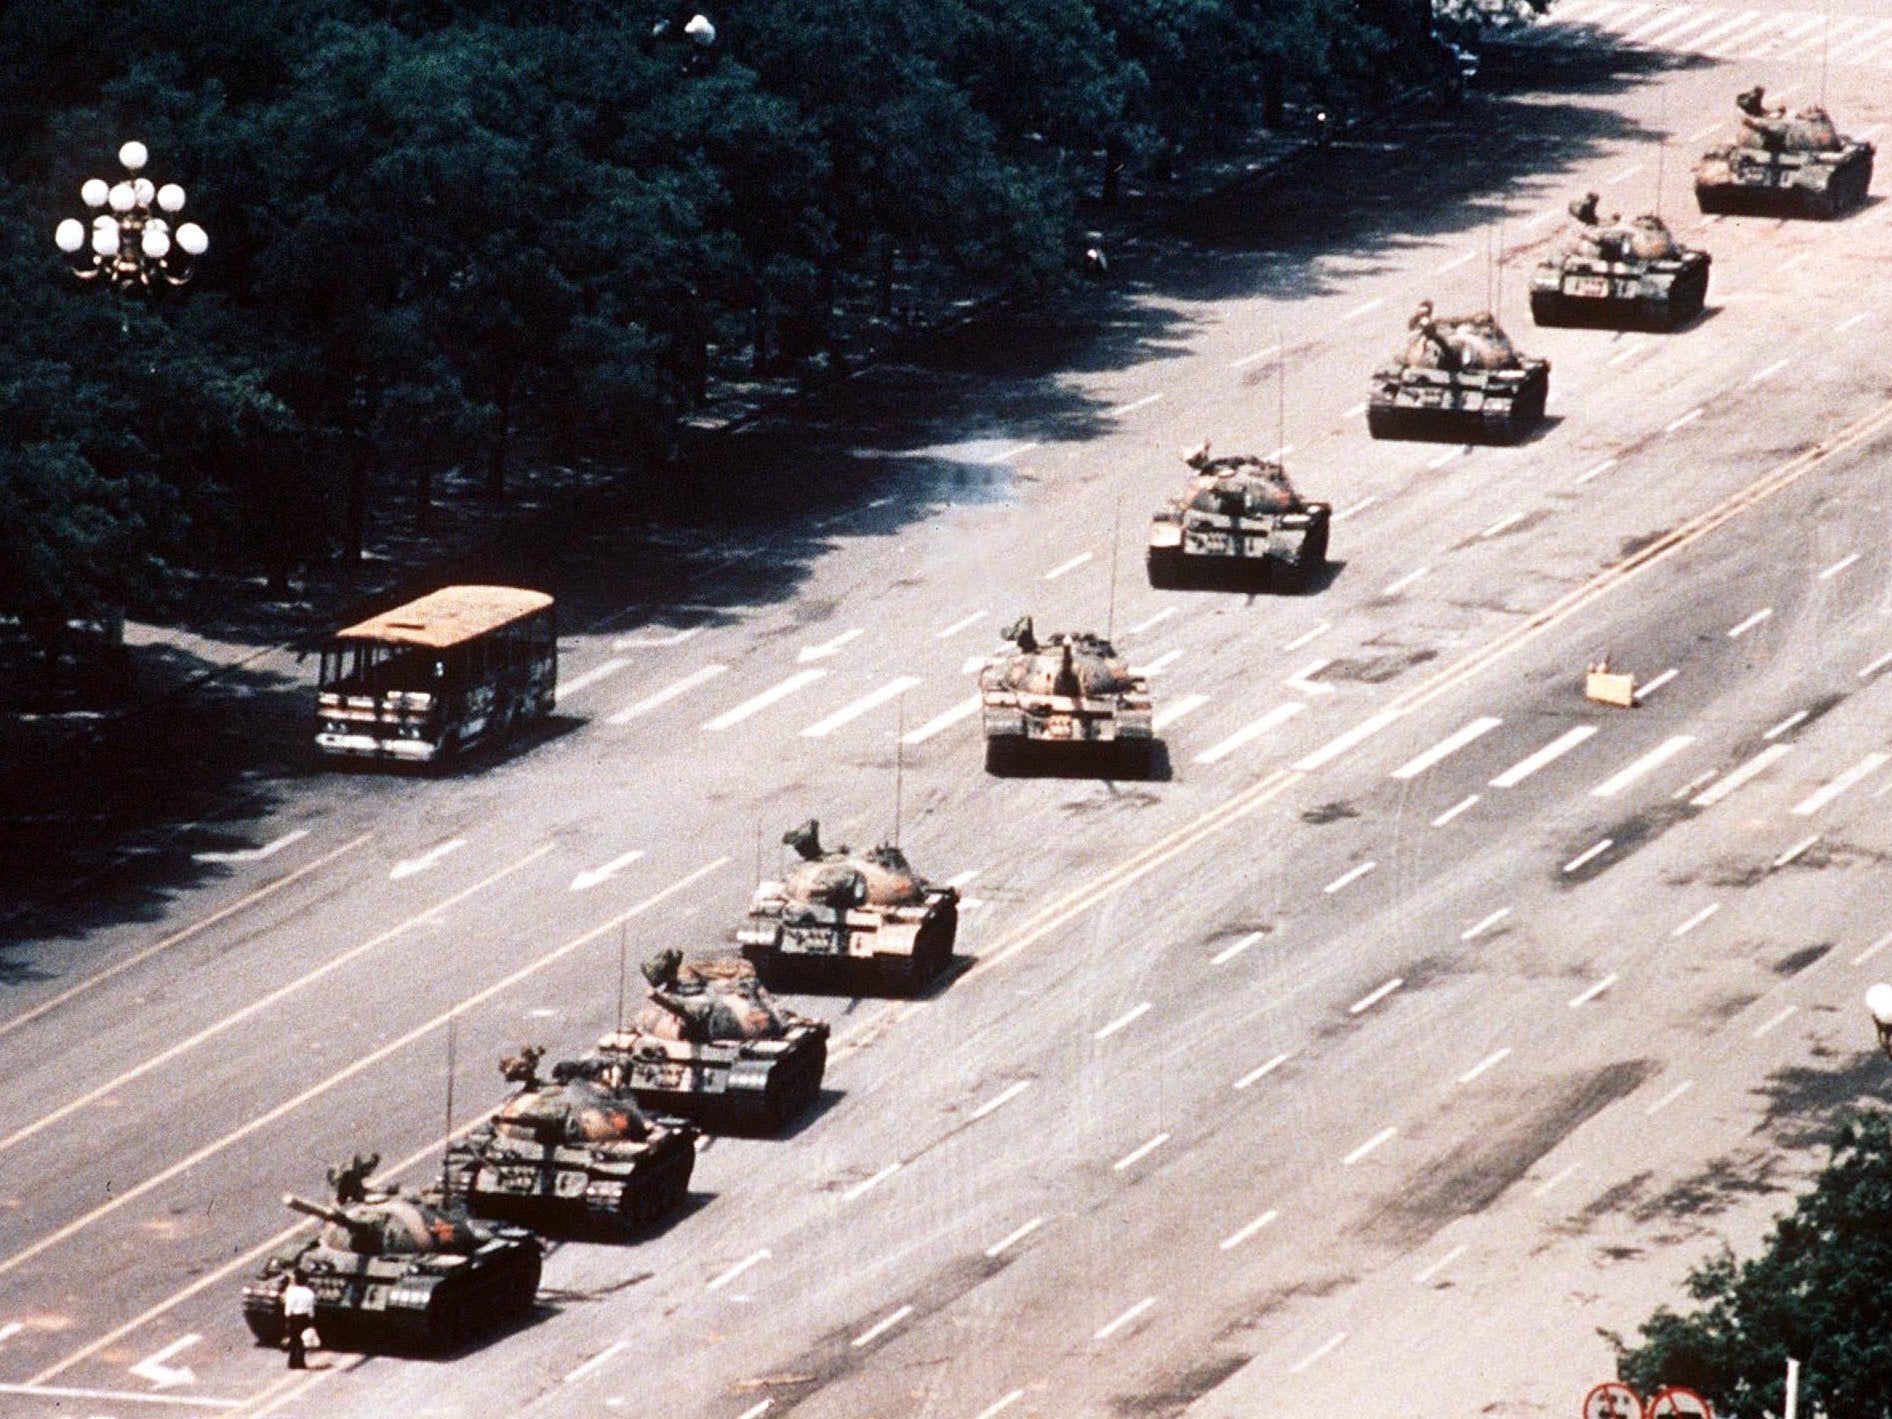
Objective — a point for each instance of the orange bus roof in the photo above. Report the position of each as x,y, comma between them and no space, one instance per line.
448,616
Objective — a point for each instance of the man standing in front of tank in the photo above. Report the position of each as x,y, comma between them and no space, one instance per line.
298,1319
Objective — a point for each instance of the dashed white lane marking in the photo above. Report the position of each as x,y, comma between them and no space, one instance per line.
1798,850
1129,1016
1874,949
1828,573
880,1327
961,624
1420,1278
1463,805
592,876
1556,1178
1062,568
1631,350
426,860
1263,1071
1307,636
1692,785
1125,1319
973,664
1356,411
756,1411
800,680
1735,632
1340,744
1444,458
1005,455
1755,766
1472,933
1002,1098
964,879
590,677
1366,309
1668,1098
1247,1230
1385,1135
867,703
1158,665
667,694
1820,797
1851,321
1550,753
1788,723
1229,953
1510,520
1623,176
1495,1058
1644,691
647,640
1374,997
1357,508
942,721
1446,747
1778,1019
1394,588
1589,853
1139,1153
1648,763
1866,672
1303,679
998,1407
1702,132
1695,920
1175,710
754,1259
834,645
1281,453
253,854
1457,261
1246,360
1690,417
1595,990
1348,878
11,1329
1248,733
598,1361
1597,471
1307,1362
1155,620
1769,372
1017,1234
1134,405
861,1187
1537,219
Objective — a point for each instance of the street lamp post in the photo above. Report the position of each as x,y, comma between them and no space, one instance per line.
1879,1002
130,242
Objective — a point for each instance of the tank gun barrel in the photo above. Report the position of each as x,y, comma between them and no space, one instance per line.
320,1210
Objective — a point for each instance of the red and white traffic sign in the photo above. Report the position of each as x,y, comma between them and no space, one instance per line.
1612,1400
1678,1403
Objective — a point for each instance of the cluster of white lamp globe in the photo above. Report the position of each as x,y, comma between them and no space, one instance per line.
130,242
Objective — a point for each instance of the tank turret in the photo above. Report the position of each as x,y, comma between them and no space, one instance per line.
1619,275
1066,697
1459,379
396,1270
1783,165
857,918
1240,520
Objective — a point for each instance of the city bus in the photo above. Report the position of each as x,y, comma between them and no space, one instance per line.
460,667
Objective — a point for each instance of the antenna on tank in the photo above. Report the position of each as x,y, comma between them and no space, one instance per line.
1116,526
1497,271
1280,390
1662,142
1826,43
446,1141
899,762
624,931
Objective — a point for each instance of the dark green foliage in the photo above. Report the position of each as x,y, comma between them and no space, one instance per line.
1819,1293
439,227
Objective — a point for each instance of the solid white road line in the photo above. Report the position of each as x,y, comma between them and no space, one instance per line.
1874,949
1464,259
1595,990
1866,672
1349,877
1247,1230
1134,405
1383,1136
1851,321
253,854
1155,620
1736,632
1263,1071
1649,762
1139,1153
1714,793
598,1361
11,1329
1128,1017
1473,932
1307,1362
1017,1234
998,1407
800,680
1702,132
1644,691
1433,1270
1372,998
964,879
1121,1321
1688,788
961,624
1509,520
860,1188
1315,634
1557,1178
755,1258
590,677
880,1328
1342,743
1668,1098
1797,850
1457,808
1269,722
1004,1097
1446,747
1490,1060
1005,455
667,694
1596,850
1229,953
1788,723
1444,458
1844,562
1819,798
1551,752
111,1396
1630,351
426,860
1769,371
756,1411
942,721
873,700
1690,417
1597,471
1175,710
1356,509
1780,1018
1622,176
1062,568
1696,920
1416,574
649,641
1366,309
1246,360
1356,411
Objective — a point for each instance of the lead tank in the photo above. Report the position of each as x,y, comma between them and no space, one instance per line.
715,1047
1240,519
571,1155
1458,379
1781,166
1619,275
855,917
396,1270
1066,696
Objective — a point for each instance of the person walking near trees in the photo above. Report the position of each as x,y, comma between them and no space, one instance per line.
298,1318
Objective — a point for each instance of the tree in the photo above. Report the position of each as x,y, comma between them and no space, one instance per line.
1817,1292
